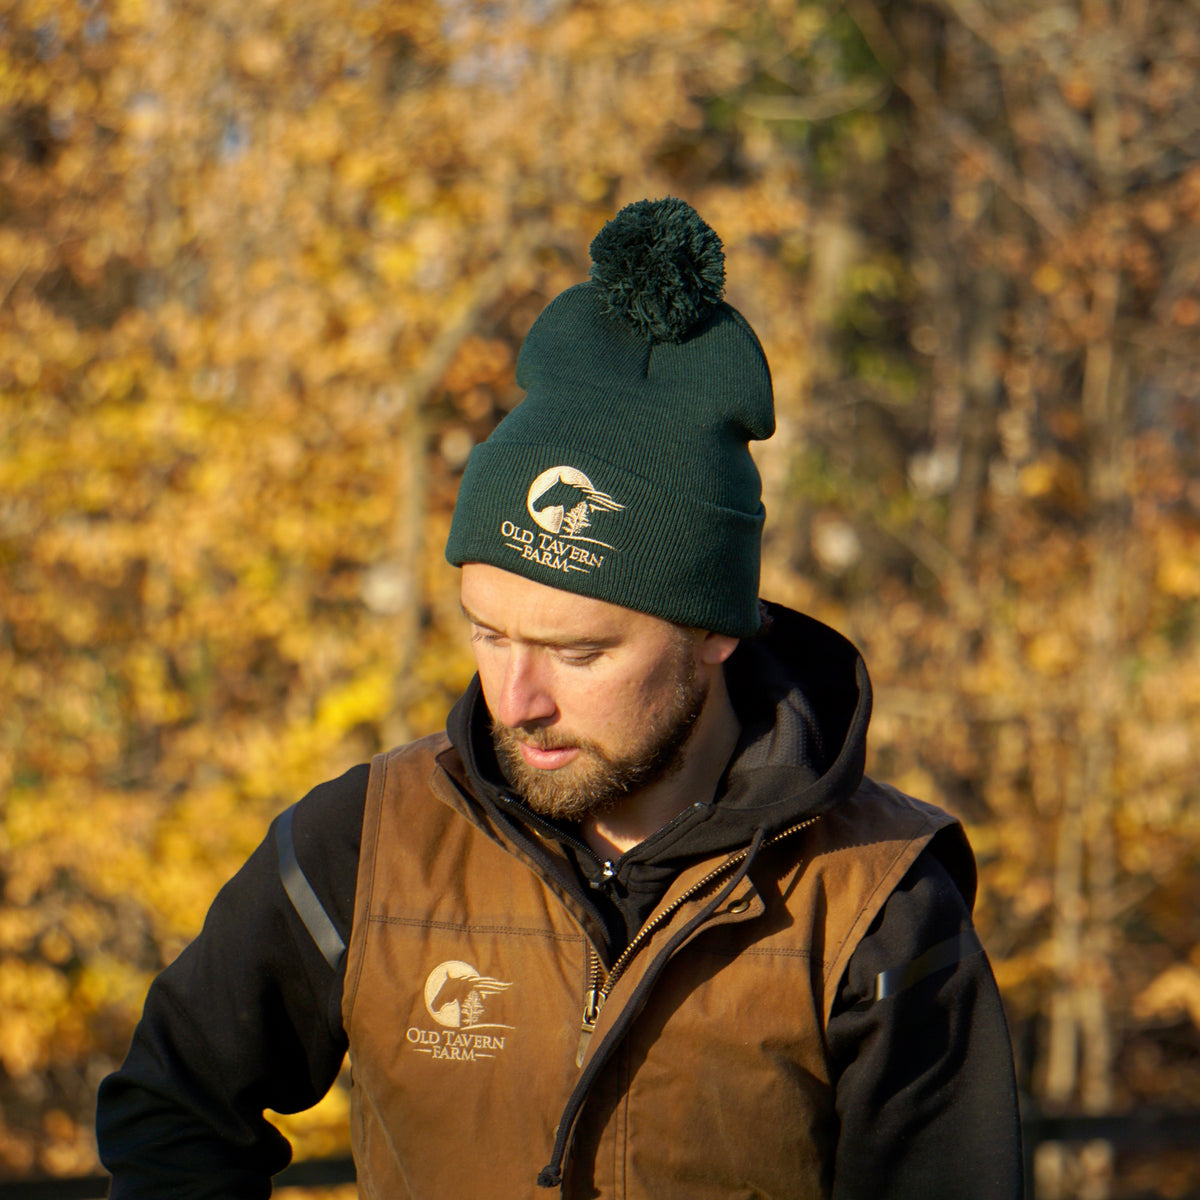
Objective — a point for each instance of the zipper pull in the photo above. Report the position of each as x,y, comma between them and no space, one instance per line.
605,881
593,1001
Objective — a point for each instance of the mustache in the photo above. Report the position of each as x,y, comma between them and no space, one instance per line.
538,736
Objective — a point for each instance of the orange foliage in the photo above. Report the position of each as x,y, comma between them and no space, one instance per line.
264,271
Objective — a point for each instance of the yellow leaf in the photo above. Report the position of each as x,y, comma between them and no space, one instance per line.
1176,992
366,698
1048,279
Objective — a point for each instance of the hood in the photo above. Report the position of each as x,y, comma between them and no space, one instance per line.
803,697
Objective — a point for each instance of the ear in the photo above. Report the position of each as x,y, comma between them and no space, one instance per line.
715,648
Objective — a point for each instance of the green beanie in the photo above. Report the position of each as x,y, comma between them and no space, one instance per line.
625,473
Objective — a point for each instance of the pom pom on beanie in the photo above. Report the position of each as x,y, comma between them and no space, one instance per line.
659,267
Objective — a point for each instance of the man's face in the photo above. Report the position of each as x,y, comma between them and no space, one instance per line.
589,701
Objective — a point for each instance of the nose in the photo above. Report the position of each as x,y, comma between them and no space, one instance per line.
525,697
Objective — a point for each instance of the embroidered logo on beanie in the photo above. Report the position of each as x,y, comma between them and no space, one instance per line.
562,544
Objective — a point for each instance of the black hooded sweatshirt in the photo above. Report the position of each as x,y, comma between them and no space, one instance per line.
249,1016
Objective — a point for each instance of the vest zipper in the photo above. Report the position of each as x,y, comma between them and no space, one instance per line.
607,868
550,1176
598,992
591,1005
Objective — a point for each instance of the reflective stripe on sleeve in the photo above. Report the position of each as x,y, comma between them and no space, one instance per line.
945,954
304,899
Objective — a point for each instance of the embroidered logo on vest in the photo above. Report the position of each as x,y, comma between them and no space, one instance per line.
456,996
561,545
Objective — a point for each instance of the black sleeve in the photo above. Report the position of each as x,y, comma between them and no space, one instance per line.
247,1018
921,1056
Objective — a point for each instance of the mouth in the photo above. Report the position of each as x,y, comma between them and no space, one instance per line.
550,759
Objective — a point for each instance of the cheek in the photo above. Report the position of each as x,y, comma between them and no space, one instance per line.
491,667
590,707
609,710
483,666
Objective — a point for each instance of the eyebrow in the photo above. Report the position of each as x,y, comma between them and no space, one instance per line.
466,612
582,643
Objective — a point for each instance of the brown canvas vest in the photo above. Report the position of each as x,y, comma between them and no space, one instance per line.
465,987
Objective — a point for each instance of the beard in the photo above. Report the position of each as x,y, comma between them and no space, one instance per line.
598,779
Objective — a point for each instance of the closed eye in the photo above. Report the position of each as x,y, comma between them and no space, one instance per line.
487,636
577,658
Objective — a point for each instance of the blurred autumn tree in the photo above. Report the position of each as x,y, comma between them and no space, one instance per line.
264,271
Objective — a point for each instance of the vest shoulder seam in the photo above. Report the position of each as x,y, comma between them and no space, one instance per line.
755,951
472,927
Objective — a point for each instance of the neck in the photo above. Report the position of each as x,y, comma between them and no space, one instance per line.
644,812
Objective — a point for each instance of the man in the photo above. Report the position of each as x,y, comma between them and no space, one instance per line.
636,925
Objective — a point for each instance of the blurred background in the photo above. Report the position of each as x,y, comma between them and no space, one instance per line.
264,271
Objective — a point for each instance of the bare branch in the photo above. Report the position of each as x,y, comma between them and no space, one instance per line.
965,139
